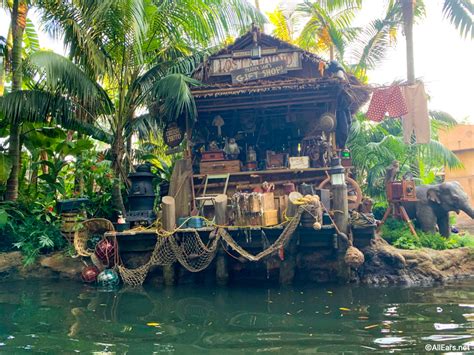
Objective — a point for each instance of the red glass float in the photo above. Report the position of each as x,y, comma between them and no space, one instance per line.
89,274
105,251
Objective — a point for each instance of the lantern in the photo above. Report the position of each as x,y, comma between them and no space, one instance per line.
337,173
89,274
108,278
105,251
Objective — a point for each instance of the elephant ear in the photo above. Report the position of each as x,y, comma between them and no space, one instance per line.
433,195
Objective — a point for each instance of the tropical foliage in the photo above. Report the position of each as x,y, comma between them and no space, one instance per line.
374,147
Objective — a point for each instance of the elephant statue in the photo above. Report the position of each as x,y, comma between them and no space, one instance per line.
434,204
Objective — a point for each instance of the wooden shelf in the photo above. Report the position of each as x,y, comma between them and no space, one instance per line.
273,172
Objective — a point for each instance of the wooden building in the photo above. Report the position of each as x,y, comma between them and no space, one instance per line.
271,118
460,139
285,112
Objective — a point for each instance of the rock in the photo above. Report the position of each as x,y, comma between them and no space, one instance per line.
66,266
386,264
9,264
56,265
10,261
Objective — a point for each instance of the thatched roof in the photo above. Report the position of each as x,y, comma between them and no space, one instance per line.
306,78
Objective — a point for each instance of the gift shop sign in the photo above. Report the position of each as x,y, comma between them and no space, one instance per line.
260,71
224,66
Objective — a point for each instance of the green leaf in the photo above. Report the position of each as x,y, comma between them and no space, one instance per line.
3,218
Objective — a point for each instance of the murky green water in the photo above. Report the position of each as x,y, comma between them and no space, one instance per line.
54,317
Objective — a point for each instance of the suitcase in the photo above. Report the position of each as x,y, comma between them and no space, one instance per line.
220,166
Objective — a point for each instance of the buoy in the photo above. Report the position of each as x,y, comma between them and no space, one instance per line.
354,257
89,274
105,251
108,278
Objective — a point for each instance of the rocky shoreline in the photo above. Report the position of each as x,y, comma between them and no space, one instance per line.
384,265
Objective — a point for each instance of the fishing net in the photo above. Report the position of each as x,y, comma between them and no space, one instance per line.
282,240
194,255
188,249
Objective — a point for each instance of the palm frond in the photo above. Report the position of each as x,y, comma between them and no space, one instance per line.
42,106
443,117
174,96
460,13
30,37
63,76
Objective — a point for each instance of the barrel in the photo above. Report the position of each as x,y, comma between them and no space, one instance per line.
69,226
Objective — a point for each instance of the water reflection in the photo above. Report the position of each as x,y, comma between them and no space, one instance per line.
201,319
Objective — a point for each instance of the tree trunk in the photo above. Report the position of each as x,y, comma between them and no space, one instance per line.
257,4
407,8
117,157
331,52
79,176
18,21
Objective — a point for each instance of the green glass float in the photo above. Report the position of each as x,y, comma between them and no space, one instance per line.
108,278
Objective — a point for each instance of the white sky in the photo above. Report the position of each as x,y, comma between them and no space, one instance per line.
442,59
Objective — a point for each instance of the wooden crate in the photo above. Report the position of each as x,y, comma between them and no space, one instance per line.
212,156
268,201
220,166
281,203
270,218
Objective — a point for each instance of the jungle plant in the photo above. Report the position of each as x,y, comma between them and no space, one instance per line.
399,235
139,51
32,228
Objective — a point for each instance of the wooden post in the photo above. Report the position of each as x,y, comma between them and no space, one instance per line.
180,187
292,208
341,218
220,205
169,224
288,265
222,272
340,207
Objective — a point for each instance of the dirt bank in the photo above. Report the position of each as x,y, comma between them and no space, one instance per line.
385,264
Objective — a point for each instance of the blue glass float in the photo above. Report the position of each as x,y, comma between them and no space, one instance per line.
108,278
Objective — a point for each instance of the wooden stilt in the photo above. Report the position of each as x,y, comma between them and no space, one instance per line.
288,265
169,224
222,272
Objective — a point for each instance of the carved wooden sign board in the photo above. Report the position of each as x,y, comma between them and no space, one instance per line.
173,135
259,71
227,65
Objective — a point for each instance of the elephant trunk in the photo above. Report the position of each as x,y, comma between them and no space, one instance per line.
469,211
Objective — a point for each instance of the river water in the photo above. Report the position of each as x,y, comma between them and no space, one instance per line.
58,317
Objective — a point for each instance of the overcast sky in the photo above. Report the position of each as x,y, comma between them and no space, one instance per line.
442,59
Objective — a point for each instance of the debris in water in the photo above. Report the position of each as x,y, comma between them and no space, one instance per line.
153,324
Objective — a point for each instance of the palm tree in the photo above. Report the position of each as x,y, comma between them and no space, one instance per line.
123,56
328,25
19,11
459,12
